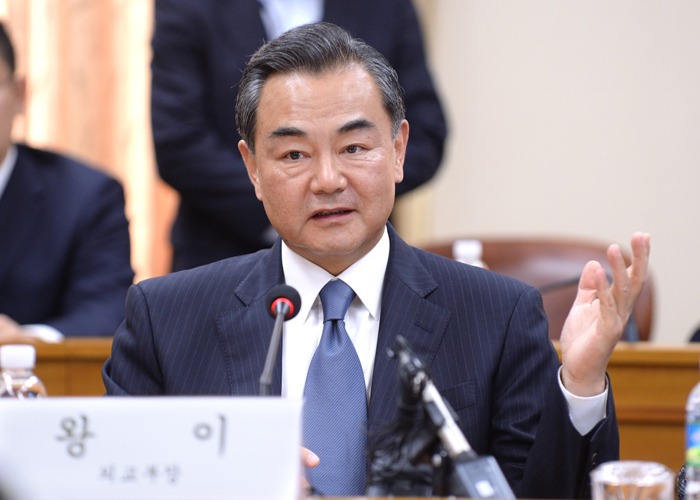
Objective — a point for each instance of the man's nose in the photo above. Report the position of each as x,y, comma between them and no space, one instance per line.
329,175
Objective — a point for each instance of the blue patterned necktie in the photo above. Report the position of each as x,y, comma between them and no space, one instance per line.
335,407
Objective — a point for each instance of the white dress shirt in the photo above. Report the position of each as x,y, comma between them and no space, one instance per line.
7,166
279,16
302,334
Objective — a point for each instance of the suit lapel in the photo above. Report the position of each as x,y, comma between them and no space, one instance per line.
405,311
20,206
245,330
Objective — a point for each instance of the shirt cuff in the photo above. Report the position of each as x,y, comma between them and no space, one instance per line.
585,413
43,332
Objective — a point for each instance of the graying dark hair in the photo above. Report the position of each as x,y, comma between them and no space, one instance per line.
314,49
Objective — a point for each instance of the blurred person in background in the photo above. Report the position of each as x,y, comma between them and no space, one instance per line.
200,50
64,239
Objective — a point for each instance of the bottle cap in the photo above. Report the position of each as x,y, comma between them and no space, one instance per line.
468,252
17,356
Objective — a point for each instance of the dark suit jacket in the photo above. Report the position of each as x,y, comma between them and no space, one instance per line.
200,49
64,246
205,331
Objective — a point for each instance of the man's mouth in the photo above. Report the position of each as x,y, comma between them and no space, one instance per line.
326,213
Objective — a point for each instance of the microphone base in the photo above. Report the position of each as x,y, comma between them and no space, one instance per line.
479,478
404,480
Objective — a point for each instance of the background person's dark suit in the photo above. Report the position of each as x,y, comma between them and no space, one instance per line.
200,49
64,246
485,337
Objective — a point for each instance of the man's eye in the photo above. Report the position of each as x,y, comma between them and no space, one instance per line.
351,149
294,155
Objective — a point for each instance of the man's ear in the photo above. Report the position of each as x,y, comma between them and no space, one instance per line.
251,166
400,143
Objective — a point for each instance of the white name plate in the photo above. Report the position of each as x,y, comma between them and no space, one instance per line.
194,448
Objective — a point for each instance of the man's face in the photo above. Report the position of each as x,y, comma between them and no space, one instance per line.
11,103
326,164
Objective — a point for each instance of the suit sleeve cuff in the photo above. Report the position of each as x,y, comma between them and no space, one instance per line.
585,413
43,332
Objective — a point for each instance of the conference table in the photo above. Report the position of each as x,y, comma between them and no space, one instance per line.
650,383
74,366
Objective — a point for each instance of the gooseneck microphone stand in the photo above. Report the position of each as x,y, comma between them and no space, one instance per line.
433,458
283,303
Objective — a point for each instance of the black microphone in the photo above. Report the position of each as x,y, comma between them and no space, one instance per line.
472,476
283,299
282,302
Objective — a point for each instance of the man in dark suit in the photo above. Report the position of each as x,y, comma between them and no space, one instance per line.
324,140
64,240
200,50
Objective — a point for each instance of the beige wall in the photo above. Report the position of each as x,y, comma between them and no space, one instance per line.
579,119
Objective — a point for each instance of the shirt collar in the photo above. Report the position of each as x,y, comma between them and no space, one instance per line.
279,16
7,166
365,277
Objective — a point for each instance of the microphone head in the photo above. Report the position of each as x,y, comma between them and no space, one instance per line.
283,294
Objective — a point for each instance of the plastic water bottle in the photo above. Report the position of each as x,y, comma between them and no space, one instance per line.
468,252
17,379
692,445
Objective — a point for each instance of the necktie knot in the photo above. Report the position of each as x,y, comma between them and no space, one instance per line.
336,297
